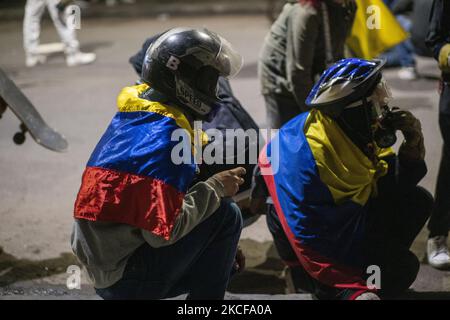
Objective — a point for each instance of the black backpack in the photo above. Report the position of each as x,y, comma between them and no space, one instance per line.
232,115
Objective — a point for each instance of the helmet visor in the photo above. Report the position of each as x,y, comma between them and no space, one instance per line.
229,60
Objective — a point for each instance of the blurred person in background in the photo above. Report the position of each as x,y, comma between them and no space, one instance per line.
438,40
418,12
413,17
307,35
402,55
34,10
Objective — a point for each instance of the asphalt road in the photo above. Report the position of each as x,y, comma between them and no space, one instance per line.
38,187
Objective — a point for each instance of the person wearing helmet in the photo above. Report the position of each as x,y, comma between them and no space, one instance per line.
342,202
307,36
143,229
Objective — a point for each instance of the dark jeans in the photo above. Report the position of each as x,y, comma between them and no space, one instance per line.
402,54
439,224
199,264
392,227
280,109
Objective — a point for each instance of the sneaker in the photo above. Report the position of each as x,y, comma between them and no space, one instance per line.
368,296
437,253
80,58
34,59
407,73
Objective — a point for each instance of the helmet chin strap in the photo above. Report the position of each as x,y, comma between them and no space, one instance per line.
154,95
358,103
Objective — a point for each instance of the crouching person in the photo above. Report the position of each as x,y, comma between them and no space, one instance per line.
342,200
142,230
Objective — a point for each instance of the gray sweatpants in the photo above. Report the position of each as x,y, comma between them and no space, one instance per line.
34,9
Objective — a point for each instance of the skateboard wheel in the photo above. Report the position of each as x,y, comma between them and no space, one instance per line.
19,138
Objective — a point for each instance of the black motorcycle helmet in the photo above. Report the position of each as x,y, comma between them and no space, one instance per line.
185,64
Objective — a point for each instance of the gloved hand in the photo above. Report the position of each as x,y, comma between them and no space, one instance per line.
239,261
413,147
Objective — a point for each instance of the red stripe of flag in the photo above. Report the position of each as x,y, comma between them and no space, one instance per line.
319,267
140,201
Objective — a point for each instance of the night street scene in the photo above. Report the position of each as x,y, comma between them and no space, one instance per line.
237,150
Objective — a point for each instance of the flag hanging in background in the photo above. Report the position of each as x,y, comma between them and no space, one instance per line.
375,30
130,177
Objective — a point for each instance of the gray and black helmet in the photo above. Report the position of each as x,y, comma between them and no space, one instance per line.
185,64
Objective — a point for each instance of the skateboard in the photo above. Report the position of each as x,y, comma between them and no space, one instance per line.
31,121
50,48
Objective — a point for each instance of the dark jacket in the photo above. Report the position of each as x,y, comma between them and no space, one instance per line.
293,53
438,38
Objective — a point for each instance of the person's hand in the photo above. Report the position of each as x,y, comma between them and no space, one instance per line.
239,261
231,180
413,147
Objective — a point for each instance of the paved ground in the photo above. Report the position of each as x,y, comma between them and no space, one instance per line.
38,187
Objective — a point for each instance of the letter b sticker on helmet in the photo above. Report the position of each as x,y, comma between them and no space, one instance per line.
173,63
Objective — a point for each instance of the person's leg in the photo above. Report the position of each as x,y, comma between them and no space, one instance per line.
34,9
399,217
394,222
402,55
438,253
301,280
393,57
199,264
398,266
67,34
208,277
414,210
439,223
407,48
406,54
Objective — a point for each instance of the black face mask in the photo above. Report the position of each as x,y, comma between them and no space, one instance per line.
357,123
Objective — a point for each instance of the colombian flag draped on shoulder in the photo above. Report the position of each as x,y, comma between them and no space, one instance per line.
130,177
319,188
374,30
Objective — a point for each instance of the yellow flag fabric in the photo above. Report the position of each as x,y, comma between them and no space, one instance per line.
342,166
129,101
374,30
